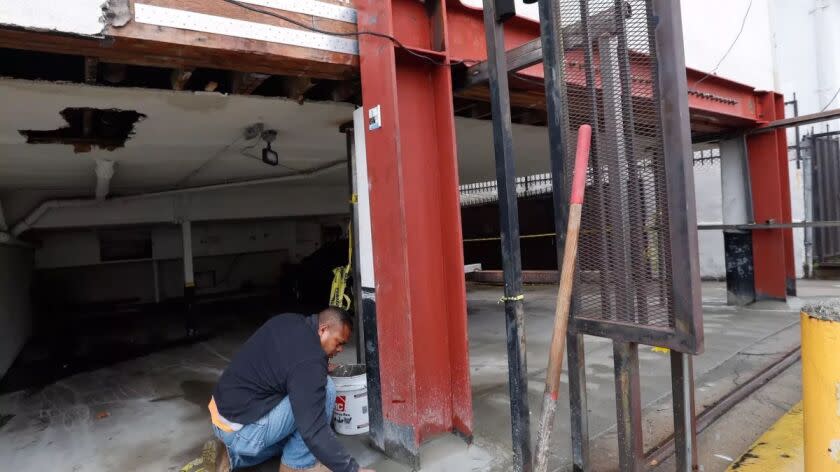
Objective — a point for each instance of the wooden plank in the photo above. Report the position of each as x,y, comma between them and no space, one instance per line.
144,52
148,45
229,10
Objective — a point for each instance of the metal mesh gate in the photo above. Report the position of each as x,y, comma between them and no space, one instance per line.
611,68
825,187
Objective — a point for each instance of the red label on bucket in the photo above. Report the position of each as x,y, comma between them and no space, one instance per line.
340,403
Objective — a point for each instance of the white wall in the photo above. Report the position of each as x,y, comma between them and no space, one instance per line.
807,46
711,26
250,253
709,198
15,310
81,17
242,203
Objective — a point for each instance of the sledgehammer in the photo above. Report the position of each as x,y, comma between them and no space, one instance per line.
564,299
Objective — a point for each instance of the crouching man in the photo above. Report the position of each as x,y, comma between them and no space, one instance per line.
276,399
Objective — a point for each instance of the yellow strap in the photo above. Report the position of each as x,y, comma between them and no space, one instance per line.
338,298
512,299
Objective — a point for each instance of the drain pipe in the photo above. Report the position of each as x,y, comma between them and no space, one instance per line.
104,171
45,207
824,32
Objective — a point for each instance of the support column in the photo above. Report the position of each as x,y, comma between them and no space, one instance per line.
737,209
420,344
353,235
509,229
628,400
3,225
189,276
775,272
685,419
156,279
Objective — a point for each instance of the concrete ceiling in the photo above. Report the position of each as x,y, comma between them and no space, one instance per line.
183,131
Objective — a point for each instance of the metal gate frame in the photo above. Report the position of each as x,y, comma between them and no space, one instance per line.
672,88
686,337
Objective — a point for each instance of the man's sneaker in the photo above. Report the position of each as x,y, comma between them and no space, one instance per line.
222,459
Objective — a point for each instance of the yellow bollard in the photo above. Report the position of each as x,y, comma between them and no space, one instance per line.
821,386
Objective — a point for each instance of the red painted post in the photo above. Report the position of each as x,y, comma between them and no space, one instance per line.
421,322
787,216
775,272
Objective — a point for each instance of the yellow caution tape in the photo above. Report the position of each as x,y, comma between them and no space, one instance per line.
663,350
512,299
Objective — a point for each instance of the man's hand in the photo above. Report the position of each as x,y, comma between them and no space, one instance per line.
331,367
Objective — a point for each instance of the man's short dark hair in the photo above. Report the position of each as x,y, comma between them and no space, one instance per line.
335,314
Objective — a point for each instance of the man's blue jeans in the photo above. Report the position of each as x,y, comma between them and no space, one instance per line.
275,434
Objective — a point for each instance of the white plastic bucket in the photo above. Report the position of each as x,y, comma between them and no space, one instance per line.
350,415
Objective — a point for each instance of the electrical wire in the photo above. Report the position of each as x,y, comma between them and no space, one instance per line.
831,101
354,33
206,163
251,156
731,46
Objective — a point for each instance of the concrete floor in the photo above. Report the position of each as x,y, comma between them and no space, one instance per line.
149,413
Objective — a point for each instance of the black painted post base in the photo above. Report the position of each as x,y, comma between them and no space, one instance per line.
740,276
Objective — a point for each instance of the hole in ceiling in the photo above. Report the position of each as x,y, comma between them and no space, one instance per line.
88,127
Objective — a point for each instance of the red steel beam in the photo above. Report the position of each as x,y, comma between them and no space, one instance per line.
415,212
775,273
713,100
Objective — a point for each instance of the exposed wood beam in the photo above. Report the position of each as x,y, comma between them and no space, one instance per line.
91,70
296,87
180,77
244,83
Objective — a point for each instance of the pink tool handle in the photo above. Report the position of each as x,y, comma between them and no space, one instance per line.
581,162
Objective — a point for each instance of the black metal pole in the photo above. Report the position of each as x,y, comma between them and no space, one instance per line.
628,406
578,409
685,423
509,224
558,135
798,145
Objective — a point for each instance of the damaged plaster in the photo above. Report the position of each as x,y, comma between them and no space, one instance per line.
116,12
89,127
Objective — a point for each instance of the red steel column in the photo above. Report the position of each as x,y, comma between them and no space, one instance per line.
773,260
421,322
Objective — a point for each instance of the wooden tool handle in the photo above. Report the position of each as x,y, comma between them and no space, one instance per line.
564,300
